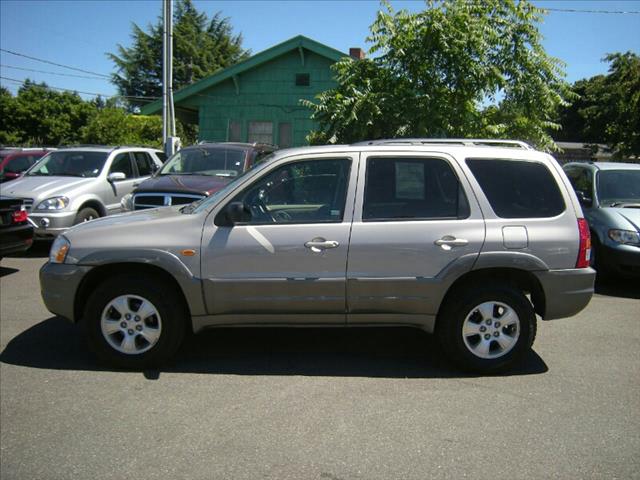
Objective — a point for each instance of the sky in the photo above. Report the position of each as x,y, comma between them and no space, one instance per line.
79,33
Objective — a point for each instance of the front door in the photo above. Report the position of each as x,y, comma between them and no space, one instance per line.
412,226
122,163
288,262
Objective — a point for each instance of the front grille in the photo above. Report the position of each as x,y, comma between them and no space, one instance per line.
142,201
28,203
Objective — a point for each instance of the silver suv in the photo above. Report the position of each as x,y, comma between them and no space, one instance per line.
468,239
74,185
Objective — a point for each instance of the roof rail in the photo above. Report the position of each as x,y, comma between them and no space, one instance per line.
83,145
135,146
468,142
242,144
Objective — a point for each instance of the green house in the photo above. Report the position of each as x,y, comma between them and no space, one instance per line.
258,100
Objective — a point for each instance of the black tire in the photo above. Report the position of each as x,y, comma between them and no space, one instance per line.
172,313
85,215
452,318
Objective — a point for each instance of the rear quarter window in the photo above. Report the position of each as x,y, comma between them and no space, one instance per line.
518,188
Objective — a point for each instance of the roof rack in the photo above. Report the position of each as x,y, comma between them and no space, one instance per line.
85,145
467,142
242,144
135,146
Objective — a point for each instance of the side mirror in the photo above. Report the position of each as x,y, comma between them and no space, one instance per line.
583,199
235,212
116,177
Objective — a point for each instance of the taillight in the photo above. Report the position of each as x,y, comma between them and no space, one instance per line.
19,216
584,254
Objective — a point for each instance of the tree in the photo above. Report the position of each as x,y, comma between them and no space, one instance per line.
38,115
201,46
115,126
456,69
608,108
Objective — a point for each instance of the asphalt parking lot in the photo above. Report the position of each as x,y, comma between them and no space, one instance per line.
331,404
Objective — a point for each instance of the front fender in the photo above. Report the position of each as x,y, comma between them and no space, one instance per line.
190,284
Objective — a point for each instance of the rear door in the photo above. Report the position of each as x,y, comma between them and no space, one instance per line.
414,223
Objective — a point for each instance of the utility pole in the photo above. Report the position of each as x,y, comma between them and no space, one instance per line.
169,139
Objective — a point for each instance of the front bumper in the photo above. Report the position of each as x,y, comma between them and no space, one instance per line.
59,284
566,292
51,224
621,259
15,239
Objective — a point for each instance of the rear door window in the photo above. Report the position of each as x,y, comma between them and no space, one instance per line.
144,163
412,189
518,188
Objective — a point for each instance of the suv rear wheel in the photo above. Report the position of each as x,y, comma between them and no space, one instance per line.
487,329
134,321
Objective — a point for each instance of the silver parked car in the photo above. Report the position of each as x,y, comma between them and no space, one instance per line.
469,239
74,185
610,196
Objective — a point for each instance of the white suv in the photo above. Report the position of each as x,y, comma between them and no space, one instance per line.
74,185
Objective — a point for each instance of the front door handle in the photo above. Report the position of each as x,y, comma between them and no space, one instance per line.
449,241
317,245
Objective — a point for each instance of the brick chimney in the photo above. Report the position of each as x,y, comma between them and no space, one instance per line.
356,53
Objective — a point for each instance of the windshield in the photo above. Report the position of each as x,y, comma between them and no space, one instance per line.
618,186
70,164
206,202
216,161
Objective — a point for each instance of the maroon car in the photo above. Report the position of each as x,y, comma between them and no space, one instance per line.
16,231
14,161
196,172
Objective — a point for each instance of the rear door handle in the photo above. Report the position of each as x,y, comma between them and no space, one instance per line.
319,244
449,241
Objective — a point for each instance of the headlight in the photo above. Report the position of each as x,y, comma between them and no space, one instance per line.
127,202
625,236
59,250
54,203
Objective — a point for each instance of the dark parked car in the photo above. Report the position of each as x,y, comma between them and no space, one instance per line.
16,232
196,172
610,196
14,161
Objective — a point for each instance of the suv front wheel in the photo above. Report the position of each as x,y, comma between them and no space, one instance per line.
487,329
134,321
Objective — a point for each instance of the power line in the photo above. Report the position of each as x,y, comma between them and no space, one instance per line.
52,73
49,87
53,63
575,10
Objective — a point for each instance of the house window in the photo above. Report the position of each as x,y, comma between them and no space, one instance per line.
284,135
303,80
235,131
261,132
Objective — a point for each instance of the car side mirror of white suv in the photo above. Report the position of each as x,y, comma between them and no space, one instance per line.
116,177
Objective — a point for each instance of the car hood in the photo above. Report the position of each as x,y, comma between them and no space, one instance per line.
622,218
45,187
200,184
163,229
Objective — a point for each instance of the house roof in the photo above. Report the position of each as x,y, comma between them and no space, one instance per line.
299,41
